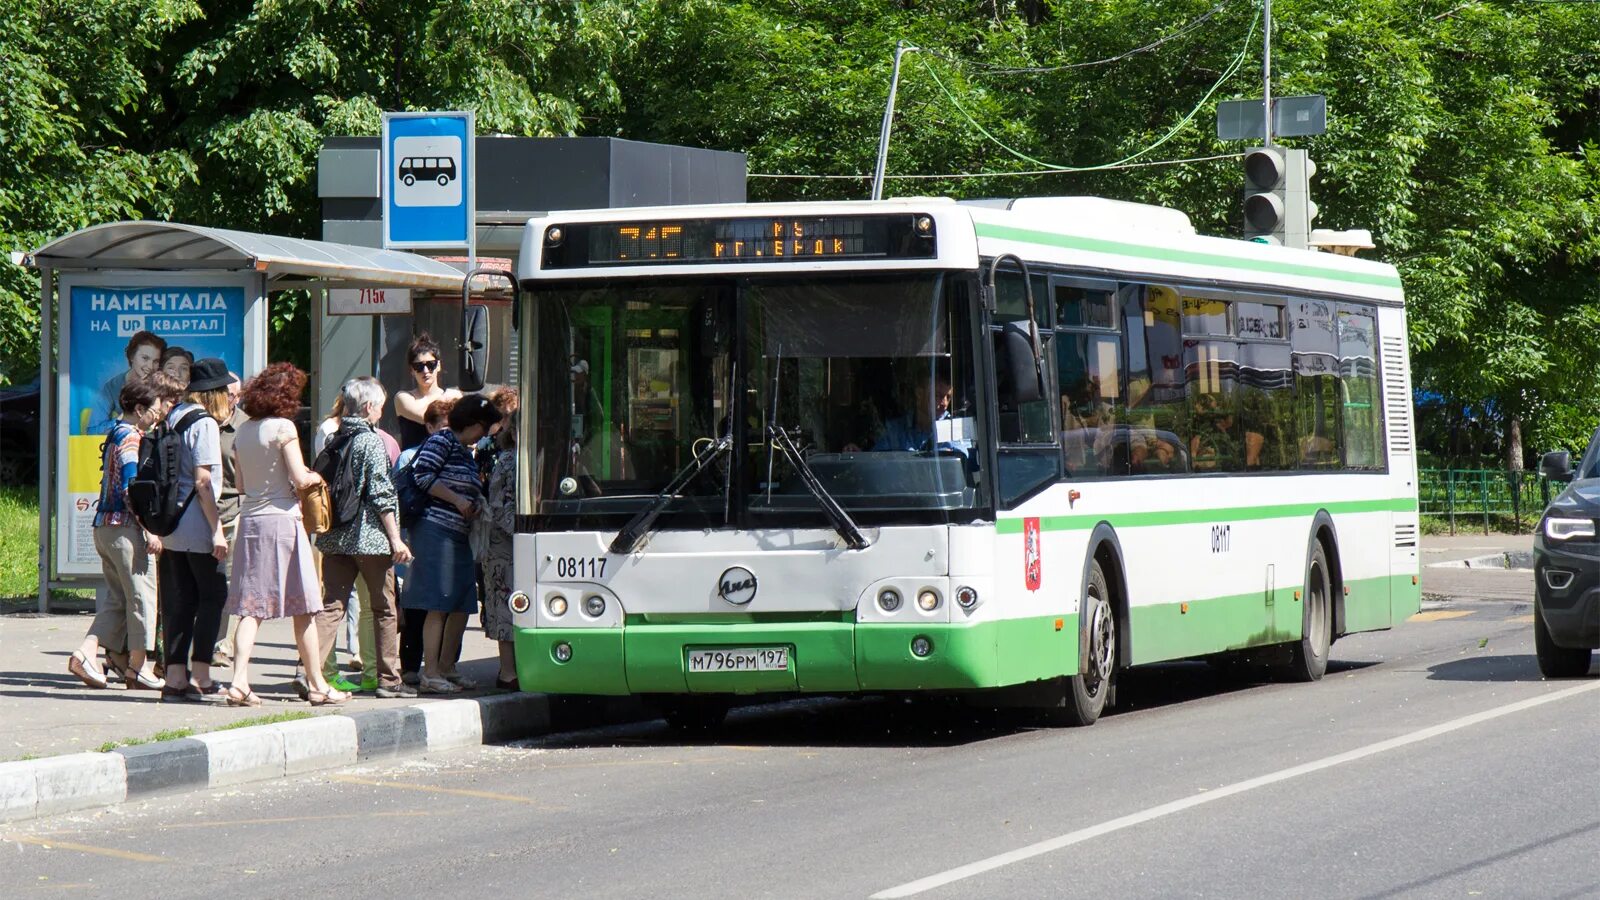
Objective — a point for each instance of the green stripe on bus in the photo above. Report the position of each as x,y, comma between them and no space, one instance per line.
1206,516
1100,245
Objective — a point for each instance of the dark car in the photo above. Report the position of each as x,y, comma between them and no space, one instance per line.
19,433
1566,566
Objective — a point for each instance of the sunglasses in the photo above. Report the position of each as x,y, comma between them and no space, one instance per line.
427,366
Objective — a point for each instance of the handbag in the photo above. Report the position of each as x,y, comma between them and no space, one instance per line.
316,507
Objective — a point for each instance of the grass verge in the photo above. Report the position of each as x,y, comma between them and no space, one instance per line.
19,551
172,734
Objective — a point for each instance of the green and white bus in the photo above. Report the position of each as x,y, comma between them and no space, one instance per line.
926,446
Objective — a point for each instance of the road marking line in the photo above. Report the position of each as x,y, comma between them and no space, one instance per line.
1166,809
1434,615
50,844
431,789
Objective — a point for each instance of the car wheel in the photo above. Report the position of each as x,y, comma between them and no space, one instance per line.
1554,661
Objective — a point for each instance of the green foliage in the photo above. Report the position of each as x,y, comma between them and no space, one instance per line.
1465,135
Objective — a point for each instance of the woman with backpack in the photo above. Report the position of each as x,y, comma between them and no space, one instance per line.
443,582
127,552
355,463
274,575
193,587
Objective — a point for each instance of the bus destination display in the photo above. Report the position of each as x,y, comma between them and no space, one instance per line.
751,240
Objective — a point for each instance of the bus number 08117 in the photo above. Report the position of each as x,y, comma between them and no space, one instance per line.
1221,538
580,567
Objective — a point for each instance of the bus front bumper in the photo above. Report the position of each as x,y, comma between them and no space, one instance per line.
823,657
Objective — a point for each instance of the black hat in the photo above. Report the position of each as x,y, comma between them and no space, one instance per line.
209,374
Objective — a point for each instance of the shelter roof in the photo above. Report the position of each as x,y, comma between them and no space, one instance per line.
174,245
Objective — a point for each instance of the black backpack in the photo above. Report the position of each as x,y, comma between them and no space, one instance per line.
336,465
153,492
409,497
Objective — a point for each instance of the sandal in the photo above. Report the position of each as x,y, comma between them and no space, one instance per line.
183,694
116,666
329,698
211,690
139,681
237,697
84,668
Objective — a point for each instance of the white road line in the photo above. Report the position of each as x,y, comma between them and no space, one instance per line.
1166,809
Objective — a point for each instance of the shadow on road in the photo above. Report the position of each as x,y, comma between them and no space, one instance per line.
898,721
1499,667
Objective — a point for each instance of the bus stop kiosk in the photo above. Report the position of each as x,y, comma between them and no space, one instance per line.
206,290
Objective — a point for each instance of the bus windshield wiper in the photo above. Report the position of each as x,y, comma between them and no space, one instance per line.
841,520
637,526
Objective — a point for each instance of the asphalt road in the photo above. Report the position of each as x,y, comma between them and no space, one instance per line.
1432,761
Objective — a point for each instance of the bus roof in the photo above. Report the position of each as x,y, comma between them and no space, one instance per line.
1089,234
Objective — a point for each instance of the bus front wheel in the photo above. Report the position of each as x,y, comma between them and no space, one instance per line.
1087,692
409,179
1308,657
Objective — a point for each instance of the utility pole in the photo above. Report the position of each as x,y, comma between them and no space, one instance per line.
901,48
1266,74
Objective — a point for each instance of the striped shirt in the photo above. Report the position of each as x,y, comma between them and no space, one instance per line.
443,459
118,465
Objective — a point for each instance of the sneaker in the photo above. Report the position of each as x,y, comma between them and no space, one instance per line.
368,685
461,681
343,685
410,678
401,691
428,685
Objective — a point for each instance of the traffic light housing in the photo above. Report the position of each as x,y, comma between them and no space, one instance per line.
1277,196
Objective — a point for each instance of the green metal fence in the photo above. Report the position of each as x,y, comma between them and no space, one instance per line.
1476,498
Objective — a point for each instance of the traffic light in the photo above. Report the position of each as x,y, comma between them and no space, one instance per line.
1277,196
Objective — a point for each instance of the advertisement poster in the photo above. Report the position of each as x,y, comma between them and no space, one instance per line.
203,315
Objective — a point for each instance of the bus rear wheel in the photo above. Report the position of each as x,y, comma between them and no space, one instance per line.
1086,693
1308,658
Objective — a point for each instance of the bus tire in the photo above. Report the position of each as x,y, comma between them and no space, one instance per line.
695,712
409,179
1308,657
444,180
1086,694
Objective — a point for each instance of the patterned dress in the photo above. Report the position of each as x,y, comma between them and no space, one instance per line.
492,537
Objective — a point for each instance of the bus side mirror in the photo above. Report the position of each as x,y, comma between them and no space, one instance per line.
1016,367
1556,465
474,347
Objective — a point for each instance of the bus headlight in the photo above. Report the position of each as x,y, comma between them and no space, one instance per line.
519,602
557,605
888,600
562,652
594,606
966,597
928,599
921,646
553,236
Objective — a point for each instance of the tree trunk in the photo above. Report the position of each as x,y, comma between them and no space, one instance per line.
1514,443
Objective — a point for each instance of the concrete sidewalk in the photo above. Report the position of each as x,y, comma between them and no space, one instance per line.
1450,583
44,710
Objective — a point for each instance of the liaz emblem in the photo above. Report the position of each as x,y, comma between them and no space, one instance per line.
1032,565
737,586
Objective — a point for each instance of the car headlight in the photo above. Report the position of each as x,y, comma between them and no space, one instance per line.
1558,528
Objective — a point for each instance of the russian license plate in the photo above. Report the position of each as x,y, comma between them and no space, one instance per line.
740,659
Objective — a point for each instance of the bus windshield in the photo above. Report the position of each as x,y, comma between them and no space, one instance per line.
869,378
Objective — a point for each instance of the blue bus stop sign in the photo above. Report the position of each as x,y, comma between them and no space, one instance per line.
428,172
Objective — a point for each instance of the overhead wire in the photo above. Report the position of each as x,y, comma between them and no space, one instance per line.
925,177
1232,69
992,69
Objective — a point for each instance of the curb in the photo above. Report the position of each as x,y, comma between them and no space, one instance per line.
77,781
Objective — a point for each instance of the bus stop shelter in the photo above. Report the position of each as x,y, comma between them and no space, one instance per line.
211,287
